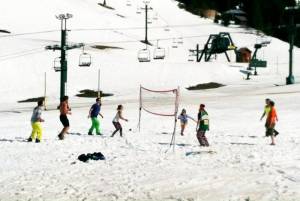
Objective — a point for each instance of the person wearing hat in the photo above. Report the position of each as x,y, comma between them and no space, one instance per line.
183,117
202,126
93,114
36,120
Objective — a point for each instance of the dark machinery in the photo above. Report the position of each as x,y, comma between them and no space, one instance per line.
257,63
216,44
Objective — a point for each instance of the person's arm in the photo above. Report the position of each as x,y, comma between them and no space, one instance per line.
198,122
121,117
262,116
191,118
197,125
68,109
276,115
39,118
90,112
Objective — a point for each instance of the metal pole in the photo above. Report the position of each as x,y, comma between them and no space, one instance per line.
146,23
99,93
197,53
45,92
63,61
140,108
175,118
292,29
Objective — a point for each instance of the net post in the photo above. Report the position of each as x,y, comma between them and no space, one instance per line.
175,117
140,108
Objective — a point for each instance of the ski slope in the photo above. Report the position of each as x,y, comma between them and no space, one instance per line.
238,165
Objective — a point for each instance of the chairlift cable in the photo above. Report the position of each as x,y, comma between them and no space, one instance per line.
20,52
29,33
22,55
115,28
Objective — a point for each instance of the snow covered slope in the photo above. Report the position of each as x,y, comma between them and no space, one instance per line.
120,70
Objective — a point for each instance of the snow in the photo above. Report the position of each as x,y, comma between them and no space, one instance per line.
238,165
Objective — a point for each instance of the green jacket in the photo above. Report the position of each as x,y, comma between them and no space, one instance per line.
203,121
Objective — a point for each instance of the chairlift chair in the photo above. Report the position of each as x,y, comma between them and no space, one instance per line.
155,17
191,59
144,55
56,64
192,56
128,3
159,53
138,10
180,41
174,44
85,60
167,29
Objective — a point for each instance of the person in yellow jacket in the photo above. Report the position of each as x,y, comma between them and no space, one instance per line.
36,120
267,109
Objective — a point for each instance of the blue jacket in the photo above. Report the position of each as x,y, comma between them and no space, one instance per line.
95,109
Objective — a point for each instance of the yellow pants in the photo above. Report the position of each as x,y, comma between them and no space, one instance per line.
36,130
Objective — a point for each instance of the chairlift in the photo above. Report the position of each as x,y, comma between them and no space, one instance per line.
174,43
56,64
155,17
167,29
144,55
128,3
85,59
180,40
159,53
192,56
149,22
138,10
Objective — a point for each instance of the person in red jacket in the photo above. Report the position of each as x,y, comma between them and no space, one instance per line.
270,123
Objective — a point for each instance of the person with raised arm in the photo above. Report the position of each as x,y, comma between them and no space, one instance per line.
116,121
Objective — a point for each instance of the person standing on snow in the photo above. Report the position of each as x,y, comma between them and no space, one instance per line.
93,114
116,120
202,126
183,117
64,111
270,123
266,112
36,120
